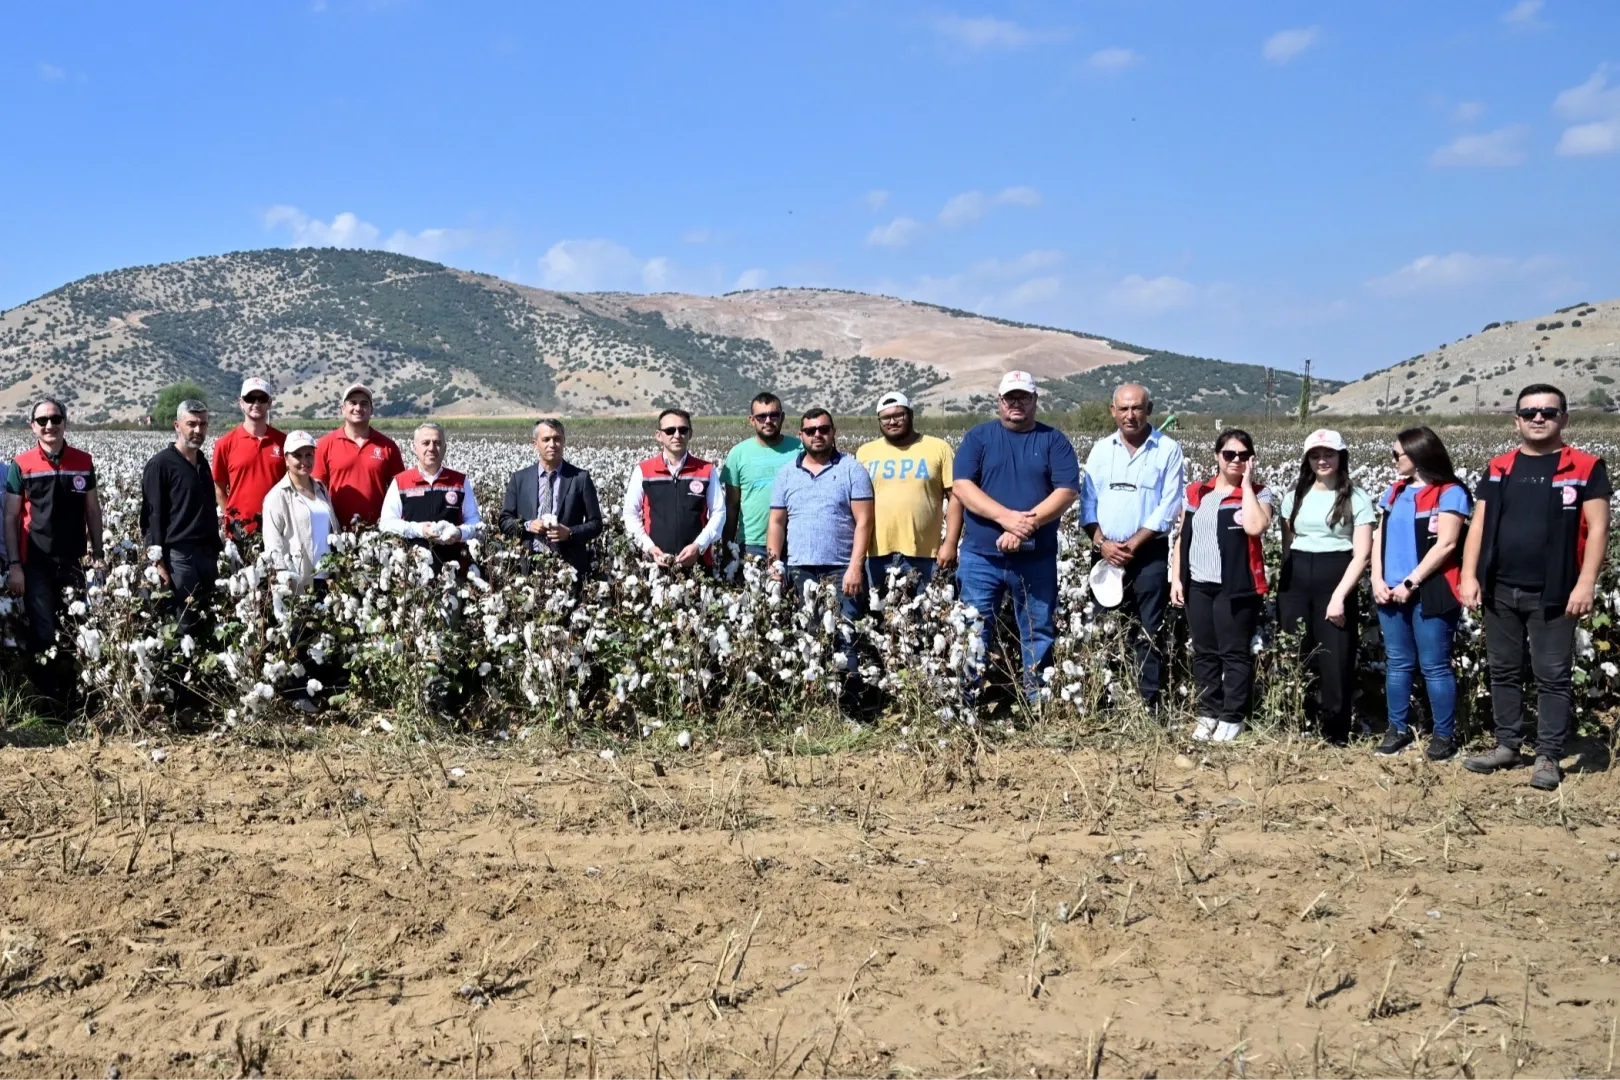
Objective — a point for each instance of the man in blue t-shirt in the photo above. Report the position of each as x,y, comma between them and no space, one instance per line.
1015,478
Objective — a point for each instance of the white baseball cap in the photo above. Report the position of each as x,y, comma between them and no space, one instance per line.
1323,437
357,388
254,383
1014,381
298,440
893,399
1107,583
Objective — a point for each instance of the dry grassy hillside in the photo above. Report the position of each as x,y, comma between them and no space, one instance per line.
1575,348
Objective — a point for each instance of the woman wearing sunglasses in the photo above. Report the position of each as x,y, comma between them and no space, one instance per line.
1218,574
1416,560
1327,529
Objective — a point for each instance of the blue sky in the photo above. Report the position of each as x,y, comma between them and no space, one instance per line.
1251,181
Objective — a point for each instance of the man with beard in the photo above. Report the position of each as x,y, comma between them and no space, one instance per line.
179,516
749,471
911,479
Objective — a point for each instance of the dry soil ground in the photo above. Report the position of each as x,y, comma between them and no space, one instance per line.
377,908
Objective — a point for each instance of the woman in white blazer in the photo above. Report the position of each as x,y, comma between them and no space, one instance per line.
297,515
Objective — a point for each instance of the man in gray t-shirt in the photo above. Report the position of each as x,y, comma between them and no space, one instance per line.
821,512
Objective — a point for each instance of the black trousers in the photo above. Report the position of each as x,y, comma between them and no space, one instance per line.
1515,619
1147,594
44,581
1223,667
1309,579
193,569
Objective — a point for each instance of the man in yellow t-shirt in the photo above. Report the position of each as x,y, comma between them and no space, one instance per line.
911,478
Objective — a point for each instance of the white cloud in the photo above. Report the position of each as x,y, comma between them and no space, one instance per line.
752,278
1435,273
1150,295
1115,59
1466,112
970,206
696,236
347,230
1523,13
1284,45
1034,291
50,72
876,199
1598,104
897,233
600,265
990,283
1505,146
987,32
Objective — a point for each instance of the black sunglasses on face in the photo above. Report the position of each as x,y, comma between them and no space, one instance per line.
48,421
256,399
679,429
763,416
1236,455
1546,412
819,429
1396,455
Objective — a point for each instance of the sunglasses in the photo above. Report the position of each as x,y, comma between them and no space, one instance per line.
256,399
819,429
1546,412
50,420
763,416
1236,455
678,429
1396,455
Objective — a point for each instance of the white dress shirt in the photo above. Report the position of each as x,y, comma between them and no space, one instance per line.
391,522
714,495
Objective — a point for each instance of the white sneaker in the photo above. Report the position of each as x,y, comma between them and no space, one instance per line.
1204,730
1226,732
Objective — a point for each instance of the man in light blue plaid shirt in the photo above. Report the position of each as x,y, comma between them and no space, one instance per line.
1130,498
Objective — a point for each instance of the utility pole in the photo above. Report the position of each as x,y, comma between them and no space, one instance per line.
1305,394
1268,395
1387,380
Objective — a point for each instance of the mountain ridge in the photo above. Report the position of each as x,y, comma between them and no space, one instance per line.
435,340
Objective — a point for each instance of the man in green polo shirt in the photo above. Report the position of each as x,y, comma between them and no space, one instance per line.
749,471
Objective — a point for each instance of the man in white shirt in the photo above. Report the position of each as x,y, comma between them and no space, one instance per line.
431,504
674,504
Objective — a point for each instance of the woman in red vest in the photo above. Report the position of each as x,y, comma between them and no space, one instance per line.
1217,572
1417,553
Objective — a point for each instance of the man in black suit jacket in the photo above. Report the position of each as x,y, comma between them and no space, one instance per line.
563,516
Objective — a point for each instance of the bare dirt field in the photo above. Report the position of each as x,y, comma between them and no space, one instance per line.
382,908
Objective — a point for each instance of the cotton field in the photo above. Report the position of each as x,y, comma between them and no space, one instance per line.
650,653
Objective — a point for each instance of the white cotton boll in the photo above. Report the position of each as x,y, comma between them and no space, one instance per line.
154,554
187,646
1256,646
484,668
313,687
684,740
606,755
159,756
1609,669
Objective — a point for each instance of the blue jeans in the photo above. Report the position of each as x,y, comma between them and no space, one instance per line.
850,608
1032,582
1413,640
756,550
877,569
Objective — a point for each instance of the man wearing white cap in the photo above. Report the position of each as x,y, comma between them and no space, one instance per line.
1015,478
1129,503
249,459
911,478
356,462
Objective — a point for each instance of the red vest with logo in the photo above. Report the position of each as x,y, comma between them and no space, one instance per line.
1566,528
1437,592
53,498
1243,563
675,507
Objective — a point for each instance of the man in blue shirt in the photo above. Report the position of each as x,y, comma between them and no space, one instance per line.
1128,504
821,513
1015,478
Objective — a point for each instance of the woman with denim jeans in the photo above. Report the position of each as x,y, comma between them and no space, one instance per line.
1418,548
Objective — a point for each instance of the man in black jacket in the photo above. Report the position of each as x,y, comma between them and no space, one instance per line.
180,516
553,505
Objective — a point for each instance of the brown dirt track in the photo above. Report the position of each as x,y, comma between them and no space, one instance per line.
362,910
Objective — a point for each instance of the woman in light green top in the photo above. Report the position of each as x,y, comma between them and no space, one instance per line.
1327,541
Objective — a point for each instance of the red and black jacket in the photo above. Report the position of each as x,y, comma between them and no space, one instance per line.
1566,524
1243,565
53,497
439,499
675,507
1437,592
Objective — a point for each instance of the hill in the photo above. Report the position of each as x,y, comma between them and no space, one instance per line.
1576,348
430,339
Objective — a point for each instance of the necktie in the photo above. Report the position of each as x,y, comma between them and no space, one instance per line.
546,479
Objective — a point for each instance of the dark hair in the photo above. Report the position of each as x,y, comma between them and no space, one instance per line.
765,397
1341,511
61,408
1228,434
1543,388
686,417
813,413
1430,460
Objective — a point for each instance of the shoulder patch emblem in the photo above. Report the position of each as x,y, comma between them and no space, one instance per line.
1569,494
78,483
452,497
696,487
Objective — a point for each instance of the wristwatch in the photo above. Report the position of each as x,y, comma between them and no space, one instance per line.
1411,586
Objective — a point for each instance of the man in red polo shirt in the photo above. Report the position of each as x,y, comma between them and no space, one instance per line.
356,462
248,459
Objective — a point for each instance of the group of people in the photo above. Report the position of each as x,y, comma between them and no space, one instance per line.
1527,545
